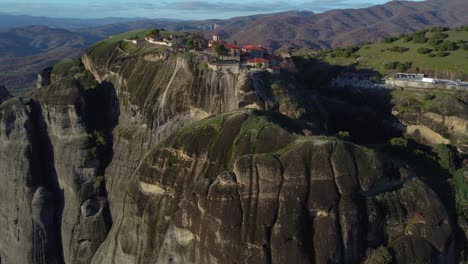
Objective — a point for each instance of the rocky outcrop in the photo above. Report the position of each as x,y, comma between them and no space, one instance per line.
28,220
243,188
157,98
115,161
431,129
78,125
43,77
15,191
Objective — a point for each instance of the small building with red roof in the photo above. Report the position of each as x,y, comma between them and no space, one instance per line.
255,62
255,51
232,49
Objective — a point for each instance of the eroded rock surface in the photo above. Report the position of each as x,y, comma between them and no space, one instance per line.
243,188
114,161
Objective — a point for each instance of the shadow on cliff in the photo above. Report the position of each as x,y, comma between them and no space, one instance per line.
101,111
44,174
366,113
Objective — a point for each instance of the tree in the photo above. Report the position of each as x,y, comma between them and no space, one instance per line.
219,49
190,44
155,33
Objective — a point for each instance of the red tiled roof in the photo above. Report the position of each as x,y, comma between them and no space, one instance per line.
231,46
252,47
257,60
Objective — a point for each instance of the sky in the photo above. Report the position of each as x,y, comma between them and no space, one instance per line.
173,9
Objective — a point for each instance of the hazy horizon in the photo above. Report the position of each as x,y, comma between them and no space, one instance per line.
180,9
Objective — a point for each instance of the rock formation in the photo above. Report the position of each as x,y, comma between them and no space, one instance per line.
129,158
222,191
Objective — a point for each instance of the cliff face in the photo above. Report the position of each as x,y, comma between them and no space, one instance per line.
157,96
79,160
242,188
16,192
110,162
27,213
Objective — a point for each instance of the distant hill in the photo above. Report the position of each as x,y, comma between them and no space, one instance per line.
324,30
437,52
25,51
11,21
348,26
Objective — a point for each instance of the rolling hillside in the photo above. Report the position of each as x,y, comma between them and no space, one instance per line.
443,54
25,51
348,26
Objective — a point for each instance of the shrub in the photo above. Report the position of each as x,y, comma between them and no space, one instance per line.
439,35
422,50
419,37
408,39
429,97
398,49
442,54
399,142
344,135
98,181
381,255
389,39
154,33
464,46
434,42
86,80
345,52
376,79
391,65
447,157
438,29
431,55
458,183
446,46
401,67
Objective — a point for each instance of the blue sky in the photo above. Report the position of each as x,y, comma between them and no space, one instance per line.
176,9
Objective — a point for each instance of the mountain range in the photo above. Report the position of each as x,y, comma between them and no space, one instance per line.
18,20
287,29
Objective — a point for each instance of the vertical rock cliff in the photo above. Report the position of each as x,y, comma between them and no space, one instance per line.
80,148
243,188
28,216
136,154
